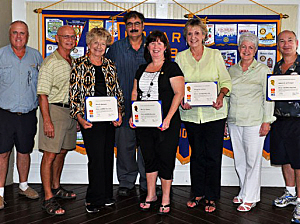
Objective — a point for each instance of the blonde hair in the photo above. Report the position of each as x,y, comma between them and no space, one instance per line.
98,33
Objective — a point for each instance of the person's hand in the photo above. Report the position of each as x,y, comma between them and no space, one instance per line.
131,123
119,122
165,124
219,102
77,127
264,129
85,124
49,129
185,106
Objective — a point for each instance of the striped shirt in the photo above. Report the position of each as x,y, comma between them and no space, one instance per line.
54,79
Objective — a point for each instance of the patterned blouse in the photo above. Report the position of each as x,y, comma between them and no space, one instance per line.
82,84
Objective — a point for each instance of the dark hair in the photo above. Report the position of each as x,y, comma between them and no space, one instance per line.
195,22
153,37
134,14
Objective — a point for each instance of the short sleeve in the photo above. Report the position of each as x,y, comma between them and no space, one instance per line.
175,70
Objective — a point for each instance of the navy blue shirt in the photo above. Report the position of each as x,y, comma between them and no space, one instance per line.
127,61
285,108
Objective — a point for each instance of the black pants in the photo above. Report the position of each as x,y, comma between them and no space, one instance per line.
99,145
206,141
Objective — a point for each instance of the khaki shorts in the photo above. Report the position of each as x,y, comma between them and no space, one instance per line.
64,131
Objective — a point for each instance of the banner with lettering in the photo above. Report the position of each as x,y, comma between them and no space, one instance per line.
223,33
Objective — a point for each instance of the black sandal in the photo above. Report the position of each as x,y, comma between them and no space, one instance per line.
63,193
147,203
51,206
210,204
162,208
194,200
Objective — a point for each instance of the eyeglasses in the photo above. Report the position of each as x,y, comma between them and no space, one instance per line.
130,24
73,37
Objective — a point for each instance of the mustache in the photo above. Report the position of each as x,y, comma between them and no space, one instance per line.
134,31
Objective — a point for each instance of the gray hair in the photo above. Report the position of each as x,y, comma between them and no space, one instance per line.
19,21
247,36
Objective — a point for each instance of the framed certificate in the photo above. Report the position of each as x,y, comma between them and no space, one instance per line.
201,93
101,108
283,87
147,113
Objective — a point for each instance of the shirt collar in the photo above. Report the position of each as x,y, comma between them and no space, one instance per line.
128,45
251,67
12,51
293,66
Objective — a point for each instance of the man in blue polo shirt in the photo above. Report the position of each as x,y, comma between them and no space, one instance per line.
128,54
18,103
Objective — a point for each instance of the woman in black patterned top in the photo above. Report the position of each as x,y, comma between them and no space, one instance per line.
95,75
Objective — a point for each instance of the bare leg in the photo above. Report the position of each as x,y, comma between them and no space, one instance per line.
57,168
46,173
4,158
151,191
289,175
166,188
23,165
297,173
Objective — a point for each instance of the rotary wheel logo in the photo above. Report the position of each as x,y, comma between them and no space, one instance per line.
262,58
262,31
226,39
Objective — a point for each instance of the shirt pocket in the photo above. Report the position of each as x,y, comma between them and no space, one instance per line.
6,74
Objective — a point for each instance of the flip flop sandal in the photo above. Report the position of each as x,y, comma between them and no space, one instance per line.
237,200
147,203
245,208
162,209
210,204
51,206
194,200
63,193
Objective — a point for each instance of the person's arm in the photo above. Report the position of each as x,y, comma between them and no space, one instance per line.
224,81
121,107
44,107
219,102
74,93
133,98
177,84
268,107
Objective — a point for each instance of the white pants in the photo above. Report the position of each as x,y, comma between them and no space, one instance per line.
247,147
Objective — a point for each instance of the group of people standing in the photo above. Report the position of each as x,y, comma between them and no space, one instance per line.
139,68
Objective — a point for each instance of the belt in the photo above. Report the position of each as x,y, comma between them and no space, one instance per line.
64,105
18,113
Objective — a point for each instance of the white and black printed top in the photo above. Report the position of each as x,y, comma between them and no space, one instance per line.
148,84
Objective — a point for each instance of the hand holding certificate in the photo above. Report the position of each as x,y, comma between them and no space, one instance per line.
101,108
146,113
283,87
201,93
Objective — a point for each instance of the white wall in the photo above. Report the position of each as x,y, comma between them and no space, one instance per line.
75,168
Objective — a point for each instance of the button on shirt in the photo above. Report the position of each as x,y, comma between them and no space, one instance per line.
248,105
18,79
209,68
127,61
54,79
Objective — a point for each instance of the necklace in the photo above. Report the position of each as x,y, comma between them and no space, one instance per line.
151,84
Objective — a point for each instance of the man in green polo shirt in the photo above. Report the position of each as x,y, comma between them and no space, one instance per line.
57,130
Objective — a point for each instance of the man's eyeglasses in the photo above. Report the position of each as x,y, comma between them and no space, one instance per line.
130,24
73,37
